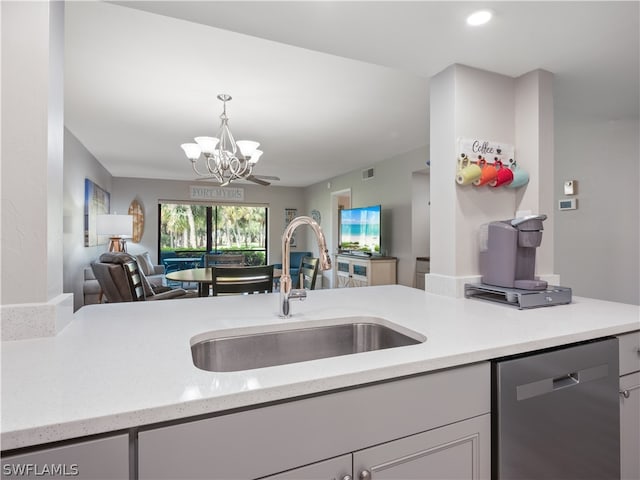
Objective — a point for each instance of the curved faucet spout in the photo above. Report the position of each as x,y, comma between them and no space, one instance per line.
286,292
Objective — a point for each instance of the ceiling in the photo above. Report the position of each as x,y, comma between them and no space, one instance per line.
325,87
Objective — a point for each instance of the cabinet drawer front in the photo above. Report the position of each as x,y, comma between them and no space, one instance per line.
103,459
629,352
264,441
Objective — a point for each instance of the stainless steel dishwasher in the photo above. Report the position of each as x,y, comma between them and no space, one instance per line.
556,414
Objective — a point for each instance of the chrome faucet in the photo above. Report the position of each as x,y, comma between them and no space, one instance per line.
286,292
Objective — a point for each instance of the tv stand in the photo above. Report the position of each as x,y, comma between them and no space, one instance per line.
358,270
356,253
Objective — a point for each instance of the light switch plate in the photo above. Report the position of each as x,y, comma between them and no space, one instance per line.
570,187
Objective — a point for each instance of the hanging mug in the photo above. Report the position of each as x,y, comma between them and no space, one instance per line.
520,176
488,174
467,172
504,177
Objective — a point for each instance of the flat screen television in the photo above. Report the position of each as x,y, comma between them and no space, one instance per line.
360,230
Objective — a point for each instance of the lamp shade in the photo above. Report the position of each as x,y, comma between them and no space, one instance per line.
255,157
207,144
247,147
114,225
191,150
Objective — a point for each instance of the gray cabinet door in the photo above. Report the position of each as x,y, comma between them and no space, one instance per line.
458,451
630,427
102,459
338,468
276,438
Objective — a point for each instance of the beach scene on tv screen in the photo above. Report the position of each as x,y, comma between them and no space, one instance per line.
360,229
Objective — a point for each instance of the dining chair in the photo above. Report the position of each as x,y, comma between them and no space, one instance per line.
213,259
308,272
226,280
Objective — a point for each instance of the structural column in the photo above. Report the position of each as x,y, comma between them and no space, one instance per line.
471,103
32,170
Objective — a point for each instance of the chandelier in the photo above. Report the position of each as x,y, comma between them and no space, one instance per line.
225,159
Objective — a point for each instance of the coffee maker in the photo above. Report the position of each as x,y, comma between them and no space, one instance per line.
508,252
507,265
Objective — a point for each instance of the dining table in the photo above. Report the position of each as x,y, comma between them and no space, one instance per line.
202,276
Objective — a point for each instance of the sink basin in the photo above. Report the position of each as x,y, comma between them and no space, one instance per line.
246,351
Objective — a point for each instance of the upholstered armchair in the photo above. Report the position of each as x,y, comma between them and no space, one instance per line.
122,280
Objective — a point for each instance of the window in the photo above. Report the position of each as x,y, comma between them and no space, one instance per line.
194,229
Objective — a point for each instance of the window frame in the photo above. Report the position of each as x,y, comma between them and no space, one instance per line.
211,221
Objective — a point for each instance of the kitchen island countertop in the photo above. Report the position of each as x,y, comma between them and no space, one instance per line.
125,365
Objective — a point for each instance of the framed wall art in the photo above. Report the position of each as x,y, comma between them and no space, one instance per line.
97,201
290,214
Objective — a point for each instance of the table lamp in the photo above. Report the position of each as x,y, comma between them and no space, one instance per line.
117,228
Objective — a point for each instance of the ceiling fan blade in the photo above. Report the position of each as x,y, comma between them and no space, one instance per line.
267,177
255,179
210,180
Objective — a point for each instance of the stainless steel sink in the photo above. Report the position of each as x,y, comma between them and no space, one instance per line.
279,347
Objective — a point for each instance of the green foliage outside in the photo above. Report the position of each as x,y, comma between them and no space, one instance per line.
235,228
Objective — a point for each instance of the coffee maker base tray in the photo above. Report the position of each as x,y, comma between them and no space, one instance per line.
552,295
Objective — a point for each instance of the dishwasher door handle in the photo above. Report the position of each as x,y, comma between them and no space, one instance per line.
567,380
552,384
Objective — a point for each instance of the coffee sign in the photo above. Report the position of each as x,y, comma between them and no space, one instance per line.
490,150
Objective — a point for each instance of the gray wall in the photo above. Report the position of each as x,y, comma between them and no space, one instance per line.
79,164
392,188
420,213
149,192
596,246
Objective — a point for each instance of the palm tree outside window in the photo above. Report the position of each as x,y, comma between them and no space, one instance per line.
191,230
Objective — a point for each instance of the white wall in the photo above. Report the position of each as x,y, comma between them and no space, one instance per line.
391,188
79,164
471,103
597,244
149,192
33,303
32,130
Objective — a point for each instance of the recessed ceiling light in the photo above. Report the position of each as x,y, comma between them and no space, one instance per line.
479,18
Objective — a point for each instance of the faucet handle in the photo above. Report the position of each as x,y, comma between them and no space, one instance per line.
298,294
325,260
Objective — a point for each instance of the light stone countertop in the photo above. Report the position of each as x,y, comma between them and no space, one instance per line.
125,365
